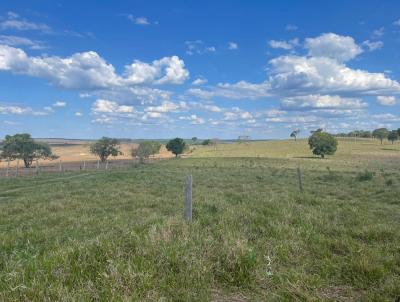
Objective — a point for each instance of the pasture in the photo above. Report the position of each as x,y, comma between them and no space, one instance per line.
119,235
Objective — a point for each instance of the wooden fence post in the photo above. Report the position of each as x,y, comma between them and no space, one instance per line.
300,179
188,199
106,164
98,164
84,165
37,167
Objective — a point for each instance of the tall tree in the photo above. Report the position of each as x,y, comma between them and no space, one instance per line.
105,147
380,133
23,146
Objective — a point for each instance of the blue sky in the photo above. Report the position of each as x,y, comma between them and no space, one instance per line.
161,69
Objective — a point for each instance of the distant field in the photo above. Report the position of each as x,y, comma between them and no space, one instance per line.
119,235
362,153
78,151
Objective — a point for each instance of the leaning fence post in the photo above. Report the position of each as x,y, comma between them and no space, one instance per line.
8,167
188,199
300,179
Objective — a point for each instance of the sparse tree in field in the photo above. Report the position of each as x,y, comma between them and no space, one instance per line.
23,146
194,140
398,131
322,143
295,133
176,146
146,149
105,147
380,133
393,136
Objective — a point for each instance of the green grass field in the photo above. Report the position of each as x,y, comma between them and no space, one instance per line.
254,237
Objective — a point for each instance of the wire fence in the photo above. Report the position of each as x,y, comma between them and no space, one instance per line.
38,168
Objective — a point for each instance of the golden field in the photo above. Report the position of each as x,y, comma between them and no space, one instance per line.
74,152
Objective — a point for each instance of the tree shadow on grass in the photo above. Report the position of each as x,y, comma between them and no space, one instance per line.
390,149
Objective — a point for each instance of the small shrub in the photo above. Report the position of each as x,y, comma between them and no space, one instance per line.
389,182
365,176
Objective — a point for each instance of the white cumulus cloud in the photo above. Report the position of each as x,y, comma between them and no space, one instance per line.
322,102
330,45
302,75
287,45
386,100
59,104
107,106
233,46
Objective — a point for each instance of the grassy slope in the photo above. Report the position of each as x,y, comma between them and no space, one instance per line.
117,235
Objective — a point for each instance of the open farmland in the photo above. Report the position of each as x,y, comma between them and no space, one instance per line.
74,152
351,154
119,235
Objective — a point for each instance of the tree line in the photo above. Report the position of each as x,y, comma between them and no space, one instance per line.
380,133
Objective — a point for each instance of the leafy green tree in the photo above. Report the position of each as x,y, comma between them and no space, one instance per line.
380,133
194,139
322,143
145,149
23,146
105,147
176,146
393,136
295,133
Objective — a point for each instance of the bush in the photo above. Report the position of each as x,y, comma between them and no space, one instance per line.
389,182
146,149
365,176
322,143
207,142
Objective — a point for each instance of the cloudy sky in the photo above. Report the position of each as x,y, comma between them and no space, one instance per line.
160,69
